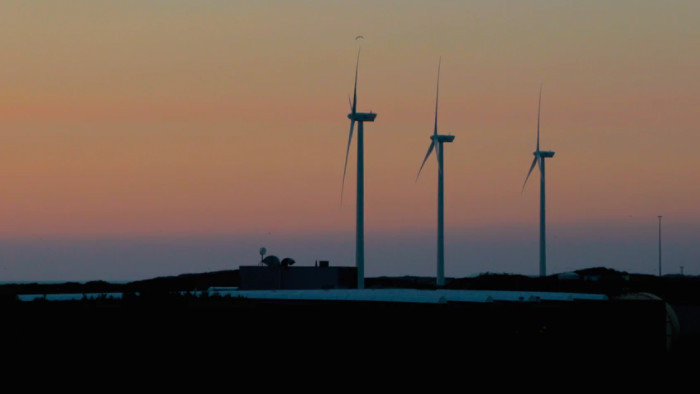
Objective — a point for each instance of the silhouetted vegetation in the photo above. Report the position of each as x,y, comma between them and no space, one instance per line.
180,306
404,282
675,289
186,282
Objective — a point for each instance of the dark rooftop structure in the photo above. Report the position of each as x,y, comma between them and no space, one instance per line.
285,277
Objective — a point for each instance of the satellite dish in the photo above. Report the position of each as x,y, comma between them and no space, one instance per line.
271,261
286,262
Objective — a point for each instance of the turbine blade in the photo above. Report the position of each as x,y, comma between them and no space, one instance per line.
347,153
354,98
350,102
437,157
437,95
430,150
539,107
535,161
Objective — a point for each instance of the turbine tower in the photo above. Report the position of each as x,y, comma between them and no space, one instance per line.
540,155
360,118
436,143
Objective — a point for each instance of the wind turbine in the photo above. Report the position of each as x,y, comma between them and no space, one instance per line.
360,118
436,143
540,155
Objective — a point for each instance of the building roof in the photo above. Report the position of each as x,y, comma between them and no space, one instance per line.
412,295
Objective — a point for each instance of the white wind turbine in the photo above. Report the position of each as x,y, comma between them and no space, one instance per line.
436,143
539,160
360,118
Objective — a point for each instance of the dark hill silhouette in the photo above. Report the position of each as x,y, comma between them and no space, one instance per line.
187,282
674,289
171,304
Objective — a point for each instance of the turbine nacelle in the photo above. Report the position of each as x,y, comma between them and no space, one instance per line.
442,138
543,153
362,116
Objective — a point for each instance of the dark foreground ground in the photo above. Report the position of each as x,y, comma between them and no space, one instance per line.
156,318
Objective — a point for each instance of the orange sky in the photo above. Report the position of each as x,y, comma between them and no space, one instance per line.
144,118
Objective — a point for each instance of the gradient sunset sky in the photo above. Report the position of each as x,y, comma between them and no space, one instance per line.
149,138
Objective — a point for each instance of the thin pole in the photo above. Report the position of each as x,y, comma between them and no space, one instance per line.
360,224
543,247
441,214
659,245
